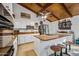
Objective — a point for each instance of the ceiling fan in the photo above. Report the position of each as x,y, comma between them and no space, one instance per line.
44,14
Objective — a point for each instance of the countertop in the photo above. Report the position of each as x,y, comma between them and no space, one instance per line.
28,33
49,37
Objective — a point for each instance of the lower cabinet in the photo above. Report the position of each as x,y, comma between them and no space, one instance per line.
24,39
15,47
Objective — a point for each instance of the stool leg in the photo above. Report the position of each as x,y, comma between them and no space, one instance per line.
54,53
69,47
66,49
61,52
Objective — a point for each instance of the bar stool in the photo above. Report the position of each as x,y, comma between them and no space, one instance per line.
62,46
69,43
56,49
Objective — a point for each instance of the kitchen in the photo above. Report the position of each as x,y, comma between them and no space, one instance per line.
29,25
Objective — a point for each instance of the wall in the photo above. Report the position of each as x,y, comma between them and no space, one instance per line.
22,22
53,27
75,26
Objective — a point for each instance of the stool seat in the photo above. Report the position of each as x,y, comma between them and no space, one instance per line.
69,42
62,46
55,48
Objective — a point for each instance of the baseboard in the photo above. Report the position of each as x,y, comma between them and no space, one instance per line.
25,43
36,53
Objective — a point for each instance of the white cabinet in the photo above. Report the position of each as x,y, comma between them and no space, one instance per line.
15,47
6,10
5,39
25,39
8,7
45,45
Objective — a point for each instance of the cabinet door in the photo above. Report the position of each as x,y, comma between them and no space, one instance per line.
15,47
18,40
8,6
21,39
47,29
24,39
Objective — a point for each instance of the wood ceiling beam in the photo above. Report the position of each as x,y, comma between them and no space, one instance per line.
55,16
66,9
47,5
27,8
49,20
39,5
44,7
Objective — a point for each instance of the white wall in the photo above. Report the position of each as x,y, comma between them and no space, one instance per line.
75,26
53,27
22,22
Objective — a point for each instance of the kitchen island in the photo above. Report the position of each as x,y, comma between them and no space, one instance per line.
43,42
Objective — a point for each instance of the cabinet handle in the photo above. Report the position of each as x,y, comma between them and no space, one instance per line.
8,8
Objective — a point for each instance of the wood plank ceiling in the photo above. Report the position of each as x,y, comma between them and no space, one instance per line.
58,10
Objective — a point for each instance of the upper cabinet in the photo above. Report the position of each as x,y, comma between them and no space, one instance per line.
65,24
6,19
8,7
6,10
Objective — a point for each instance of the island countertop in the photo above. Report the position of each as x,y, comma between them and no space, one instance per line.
50,37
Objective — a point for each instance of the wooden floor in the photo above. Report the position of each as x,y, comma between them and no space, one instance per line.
26,50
